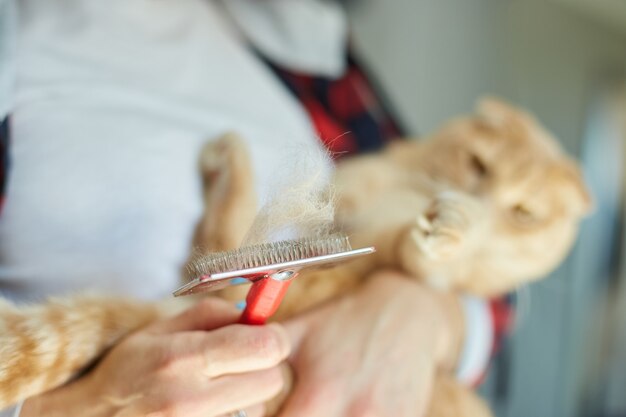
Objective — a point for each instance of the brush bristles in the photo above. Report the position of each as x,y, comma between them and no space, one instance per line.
266,254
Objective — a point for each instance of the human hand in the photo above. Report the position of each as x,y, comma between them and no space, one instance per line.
189,365
373,353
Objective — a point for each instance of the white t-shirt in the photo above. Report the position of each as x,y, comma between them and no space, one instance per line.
113,101
7,58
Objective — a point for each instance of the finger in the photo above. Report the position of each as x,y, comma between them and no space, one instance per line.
239,348
210,313
255,411
299,327
296,331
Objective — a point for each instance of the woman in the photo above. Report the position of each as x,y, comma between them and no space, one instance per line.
111,104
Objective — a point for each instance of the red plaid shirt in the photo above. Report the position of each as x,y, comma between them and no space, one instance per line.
347,113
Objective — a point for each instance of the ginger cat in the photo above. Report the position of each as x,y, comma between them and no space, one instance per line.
486,204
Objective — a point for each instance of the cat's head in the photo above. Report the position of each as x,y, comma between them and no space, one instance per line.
531,195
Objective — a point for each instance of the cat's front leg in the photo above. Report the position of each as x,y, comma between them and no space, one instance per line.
449,226
446,232
230,201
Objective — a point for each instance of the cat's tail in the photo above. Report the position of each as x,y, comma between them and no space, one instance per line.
43,346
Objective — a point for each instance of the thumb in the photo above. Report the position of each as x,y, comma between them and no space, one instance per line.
208,314
299,327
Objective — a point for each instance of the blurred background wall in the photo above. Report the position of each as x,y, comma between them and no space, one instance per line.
564,60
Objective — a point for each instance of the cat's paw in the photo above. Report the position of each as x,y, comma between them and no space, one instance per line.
443,231
224,155
434,241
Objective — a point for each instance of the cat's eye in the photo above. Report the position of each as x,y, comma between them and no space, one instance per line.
478,166
522,213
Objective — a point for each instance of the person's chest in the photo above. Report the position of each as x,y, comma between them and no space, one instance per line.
114,101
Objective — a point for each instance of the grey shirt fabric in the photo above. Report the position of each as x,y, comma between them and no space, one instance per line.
7,77
7,61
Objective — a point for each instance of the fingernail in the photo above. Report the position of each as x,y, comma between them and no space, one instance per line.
283,339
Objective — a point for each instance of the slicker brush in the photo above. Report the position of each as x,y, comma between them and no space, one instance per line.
270,267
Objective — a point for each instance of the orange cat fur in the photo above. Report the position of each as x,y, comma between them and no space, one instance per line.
483,206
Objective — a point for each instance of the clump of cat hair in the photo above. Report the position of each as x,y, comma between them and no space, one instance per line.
301,205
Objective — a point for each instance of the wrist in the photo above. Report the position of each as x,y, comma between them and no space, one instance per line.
451,331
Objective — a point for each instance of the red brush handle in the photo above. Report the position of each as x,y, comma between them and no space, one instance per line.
263,300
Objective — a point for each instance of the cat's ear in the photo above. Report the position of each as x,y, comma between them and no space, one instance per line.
582,203
498,114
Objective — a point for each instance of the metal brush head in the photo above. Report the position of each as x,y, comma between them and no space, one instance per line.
217,270
265,254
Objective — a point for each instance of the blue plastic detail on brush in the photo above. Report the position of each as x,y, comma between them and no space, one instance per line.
238,281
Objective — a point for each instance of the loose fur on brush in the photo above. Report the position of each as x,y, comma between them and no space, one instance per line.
484,205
